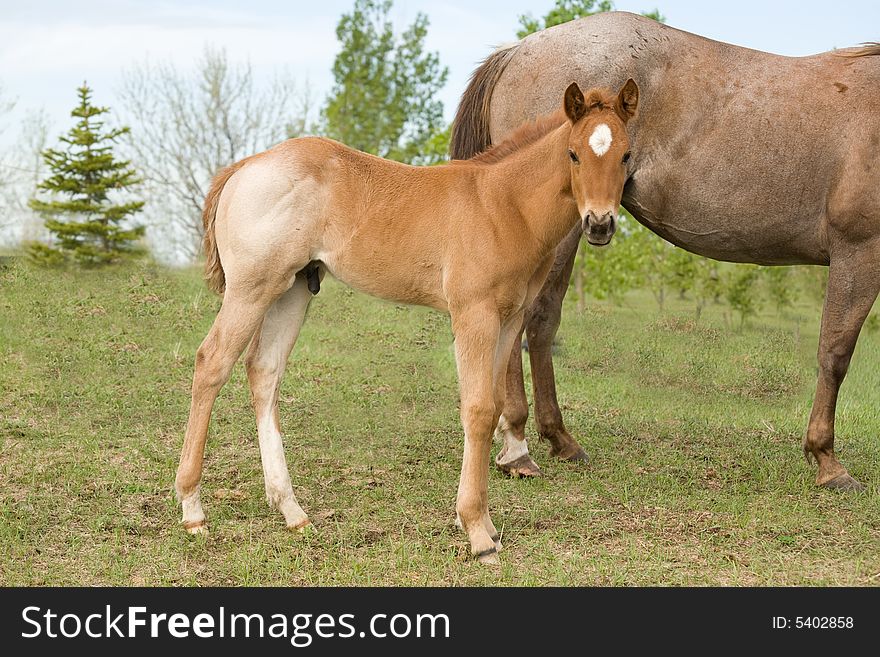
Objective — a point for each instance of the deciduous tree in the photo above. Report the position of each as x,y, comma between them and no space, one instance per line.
384,99
192,124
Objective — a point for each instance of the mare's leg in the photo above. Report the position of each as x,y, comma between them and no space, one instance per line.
545,315
266,361
541,323
477,331
853,283
234,326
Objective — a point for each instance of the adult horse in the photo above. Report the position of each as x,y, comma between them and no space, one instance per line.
738,155
475,239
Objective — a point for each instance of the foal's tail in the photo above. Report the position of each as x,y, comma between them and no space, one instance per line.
213,267
470,128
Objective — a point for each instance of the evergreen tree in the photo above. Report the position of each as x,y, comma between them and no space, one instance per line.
384,97
85,223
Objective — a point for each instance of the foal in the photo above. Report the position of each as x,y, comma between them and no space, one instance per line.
473,238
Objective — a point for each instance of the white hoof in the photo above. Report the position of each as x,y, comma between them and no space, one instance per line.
490,559
196,528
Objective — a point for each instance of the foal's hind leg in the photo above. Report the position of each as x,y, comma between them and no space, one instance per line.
266,361
234,326
853,283
513,458
541,324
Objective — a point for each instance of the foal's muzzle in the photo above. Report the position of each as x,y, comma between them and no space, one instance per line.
599,229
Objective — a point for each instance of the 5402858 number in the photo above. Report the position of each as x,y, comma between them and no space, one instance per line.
823,622
814,622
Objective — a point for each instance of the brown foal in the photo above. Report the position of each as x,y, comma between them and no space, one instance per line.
473,238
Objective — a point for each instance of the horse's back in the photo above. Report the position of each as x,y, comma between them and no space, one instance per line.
737,151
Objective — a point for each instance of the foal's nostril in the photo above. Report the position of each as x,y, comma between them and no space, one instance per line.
603,224
612,224
599,230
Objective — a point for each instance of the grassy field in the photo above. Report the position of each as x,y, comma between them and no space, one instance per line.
694,431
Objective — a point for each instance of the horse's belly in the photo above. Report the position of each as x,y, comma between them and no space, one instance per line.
723,226
728,242
388,279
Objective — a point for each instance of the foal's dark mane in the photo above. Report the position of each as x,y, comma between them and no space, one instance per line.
531,131
527,133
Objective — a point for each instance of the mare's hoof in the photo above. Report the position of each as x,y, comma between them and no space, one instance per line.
196,528
845,483
497,540
489,557
569,451
579,457
524,466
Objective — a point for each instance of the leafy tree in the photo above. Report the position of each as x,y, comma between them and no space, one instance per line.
657,273
655,14
563,12
707,285
813,282
682,267
83,173
778,282
569,10
740,291
611,271
384,97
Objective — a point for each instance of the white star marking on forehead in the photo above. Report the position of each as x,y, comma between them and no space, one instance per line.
600,140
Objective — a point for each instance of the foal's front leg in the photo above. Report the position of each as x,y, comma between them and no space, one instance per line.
477,331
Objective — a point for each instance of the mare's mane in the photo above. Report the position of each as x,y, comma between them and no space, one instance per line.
531,131
870,49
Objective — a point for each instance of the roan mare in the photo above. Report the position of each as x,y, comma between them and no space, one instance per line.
738,155
475,239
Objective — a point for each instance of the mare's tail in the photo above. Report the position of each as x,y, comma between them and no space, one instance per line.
470,128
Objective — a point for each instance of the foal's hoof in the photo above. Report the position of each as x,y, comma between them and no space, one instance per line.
302,527
489,557
197,527
524,466
844,482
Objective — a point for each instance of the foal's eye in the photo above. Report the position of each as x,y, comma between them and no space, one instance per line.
626,157
573,156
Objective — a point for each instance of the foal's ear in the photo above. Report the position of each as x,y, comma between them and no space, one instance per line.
628,100
574,103
577,106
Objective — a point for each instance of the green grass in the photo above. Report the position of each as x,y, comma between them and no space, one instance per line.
694,432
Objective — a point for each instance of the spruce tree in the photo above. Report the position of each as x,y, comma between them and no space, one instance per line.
86,224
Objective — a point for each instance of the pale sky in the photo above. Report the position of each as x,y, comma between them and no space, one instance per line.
48,47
